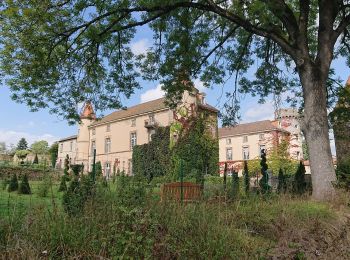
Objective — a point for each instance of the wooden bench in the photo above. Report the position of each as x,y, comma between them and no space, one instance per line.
172,191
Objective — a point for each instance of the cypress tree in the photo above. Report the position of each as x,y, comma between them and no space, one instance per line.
235,185
225,176
63,185
22,144
36,160
263,183
246,178
282,184
24,187
299,180
13,185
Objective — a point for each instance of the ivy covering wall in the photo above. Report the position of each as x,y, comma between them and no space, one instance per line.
195,146
153,159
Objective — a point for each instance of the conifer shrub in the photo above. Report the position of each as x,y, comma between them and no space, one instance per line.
282,183
13,185
264,181
98,169
36,159
63,184
299,186
4,183
246,178
78,192
44,186
24,187
234,194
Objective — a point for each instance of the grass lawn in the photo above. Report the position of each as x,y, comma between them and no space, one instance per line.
12,203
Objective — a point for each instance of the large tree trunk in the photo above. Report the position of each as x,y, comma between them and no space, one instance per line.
316,131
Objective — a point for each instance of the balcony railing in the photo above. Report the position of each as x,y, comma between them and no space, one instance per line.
150,123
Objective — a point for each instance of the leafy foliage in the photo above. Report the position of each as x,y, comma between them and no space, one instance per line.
45,186
22,154
282,183
40,147
197,148
24,187
343,174
53,151
234,192
153,159
63,184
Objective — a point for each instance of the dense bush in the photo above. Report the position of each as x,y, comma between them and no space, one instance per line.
282,183
246,178
234,191
44,186
13,185
78,192
63,184
24,187
343,174
263,183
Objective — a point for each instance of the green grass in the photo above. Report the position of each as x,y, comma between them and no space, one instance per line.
12,203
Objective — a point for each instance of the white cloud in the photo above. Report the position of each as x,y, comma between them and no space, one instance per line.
259,112
12,137
152,94
140,47
199,85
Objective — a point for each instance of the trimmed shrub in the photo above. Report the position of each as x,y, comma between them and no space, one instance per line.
13,185
36,159
282,183
78,192
63,185
246,178
234,193
44,186
299,186
264,181
24,187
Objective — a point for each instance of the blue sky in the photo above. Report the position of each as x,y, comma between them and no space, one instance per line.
17,121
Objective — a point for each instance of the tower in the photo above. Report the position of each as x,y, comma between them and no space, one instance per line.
288,119
87,117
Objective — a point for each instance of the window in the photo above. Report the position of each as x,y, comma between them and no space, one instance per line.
107,145
61,148
261,148
229,154
93,131
133,122
107,169
133,140
150,134
151,119
108,128
71,146
228,141
245,139
261,137
245,153
93,147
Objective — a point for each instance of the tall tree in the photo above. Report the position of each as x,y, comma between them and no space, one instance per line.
22,144
53,153
40,147
81,50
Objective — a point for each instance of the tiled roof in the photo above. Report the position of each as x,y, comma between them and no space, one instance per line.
68,138
146,107
208,107
255,127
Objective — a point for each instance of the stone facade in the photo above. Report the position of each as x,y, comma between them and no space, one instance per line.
113,136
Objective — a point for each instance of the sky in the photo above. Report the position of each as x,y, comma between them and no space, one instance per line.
17,121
